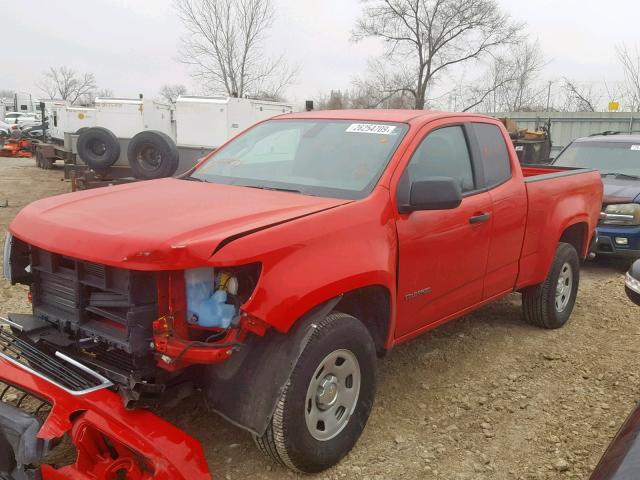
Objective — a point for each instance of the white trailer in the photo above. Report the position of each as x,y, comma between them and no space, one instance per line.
211,121
144,134
64,119
126,117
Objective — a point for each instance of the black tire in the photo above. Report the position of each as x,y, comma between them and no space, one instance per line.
98,148
81,130
288,440
152,154
546,306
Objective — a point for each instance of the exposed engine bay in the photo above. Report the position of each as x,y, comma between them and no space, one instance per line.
140,330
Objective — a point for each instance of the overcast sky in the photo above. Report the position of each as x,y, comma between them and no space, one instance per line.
131,46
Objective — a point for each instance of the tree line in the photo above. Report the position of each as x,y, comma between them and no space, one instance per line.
429,48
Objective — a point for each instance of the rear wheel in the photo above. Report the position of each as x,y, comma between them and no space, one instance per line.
327,400
549,304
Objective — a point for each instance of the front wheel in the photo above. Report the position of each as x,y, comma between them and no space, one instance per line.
326,402
549,304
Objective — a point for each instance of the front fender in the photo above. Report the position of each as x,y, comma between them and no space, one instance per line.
315,258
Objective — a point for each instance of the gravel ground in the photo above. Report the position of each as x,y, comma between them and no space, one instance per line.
485,397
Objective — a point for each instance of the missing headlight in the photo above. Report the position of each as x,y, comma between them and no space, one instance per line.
214,295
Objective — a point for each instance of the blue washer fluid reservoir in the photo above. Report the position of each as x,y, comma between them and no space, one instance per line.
205,306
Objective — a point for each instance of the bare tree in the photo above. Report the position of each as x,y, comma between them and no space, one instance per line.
104,93
580,97
336,100
509,83
524,92
434,35
224,46
6,93
89,98
66,84
170,93
630,60
486,90
382,87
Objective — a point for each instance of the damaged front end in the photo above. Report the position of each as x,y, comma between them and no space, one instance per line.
101,344
49,400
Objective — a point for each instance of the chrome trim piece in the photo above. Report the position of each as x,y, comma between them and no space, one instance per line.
6,257
11,324
615,216
104,382
616,219
632,283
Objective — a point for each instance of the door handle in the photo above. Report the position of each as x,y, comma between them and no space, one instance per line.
483,217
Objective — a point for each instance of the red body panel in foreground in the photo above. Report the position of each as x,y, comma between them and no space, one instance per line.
147,446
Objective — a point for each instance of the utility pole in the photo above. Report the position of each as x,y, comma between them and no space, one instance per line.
549,95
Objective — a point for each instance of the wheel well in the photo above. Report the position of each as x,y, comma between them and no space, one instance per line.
575,235
372,306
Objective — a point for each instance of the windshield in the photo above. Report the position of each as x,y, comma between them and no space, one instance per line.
607,157
333,158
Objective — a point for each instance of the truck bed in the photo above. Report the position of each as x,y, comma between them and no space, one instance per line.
534,173
558,197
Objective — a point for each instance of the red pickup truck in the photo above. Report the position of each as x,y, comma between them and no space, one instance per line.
270,276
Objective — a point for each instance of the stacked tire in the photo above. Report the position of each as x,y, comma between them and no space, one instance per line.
99,148
151,154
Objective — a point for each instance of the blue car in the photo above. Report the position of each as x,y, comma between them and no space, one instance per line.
617,157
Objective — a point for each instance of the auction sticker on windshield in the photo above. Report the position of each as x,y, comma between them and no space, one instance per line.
370,128
635,147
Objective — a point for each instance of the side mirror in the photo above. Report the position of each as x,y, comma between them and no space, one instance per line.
632,283
433,193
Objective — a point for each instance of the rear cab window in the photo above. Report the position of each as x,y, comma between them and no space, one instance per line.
493,153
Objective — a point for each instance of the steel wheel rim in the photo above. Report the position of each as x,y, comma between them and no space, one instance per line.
98,147
564,287
332,395
149,157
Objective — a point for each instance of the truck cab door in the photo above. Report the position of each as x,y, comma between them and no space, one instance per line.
442,253
502,178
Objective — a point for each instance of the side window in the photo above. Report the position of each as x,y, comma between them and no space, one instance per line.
493,154
443,153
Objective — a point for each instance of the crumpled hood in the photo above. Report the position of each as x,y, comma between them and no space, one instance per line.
620,190
156,225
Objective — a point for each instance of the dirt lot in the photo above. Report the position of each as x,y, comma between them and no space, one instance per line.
486,397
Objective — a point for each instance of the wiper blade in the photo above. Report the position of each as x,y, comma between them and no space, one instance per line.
277,189
621,175
195,179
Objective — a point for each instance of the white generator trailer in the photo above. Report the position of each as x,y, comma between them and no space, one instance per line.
149,134
65,119
146,139
211,121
